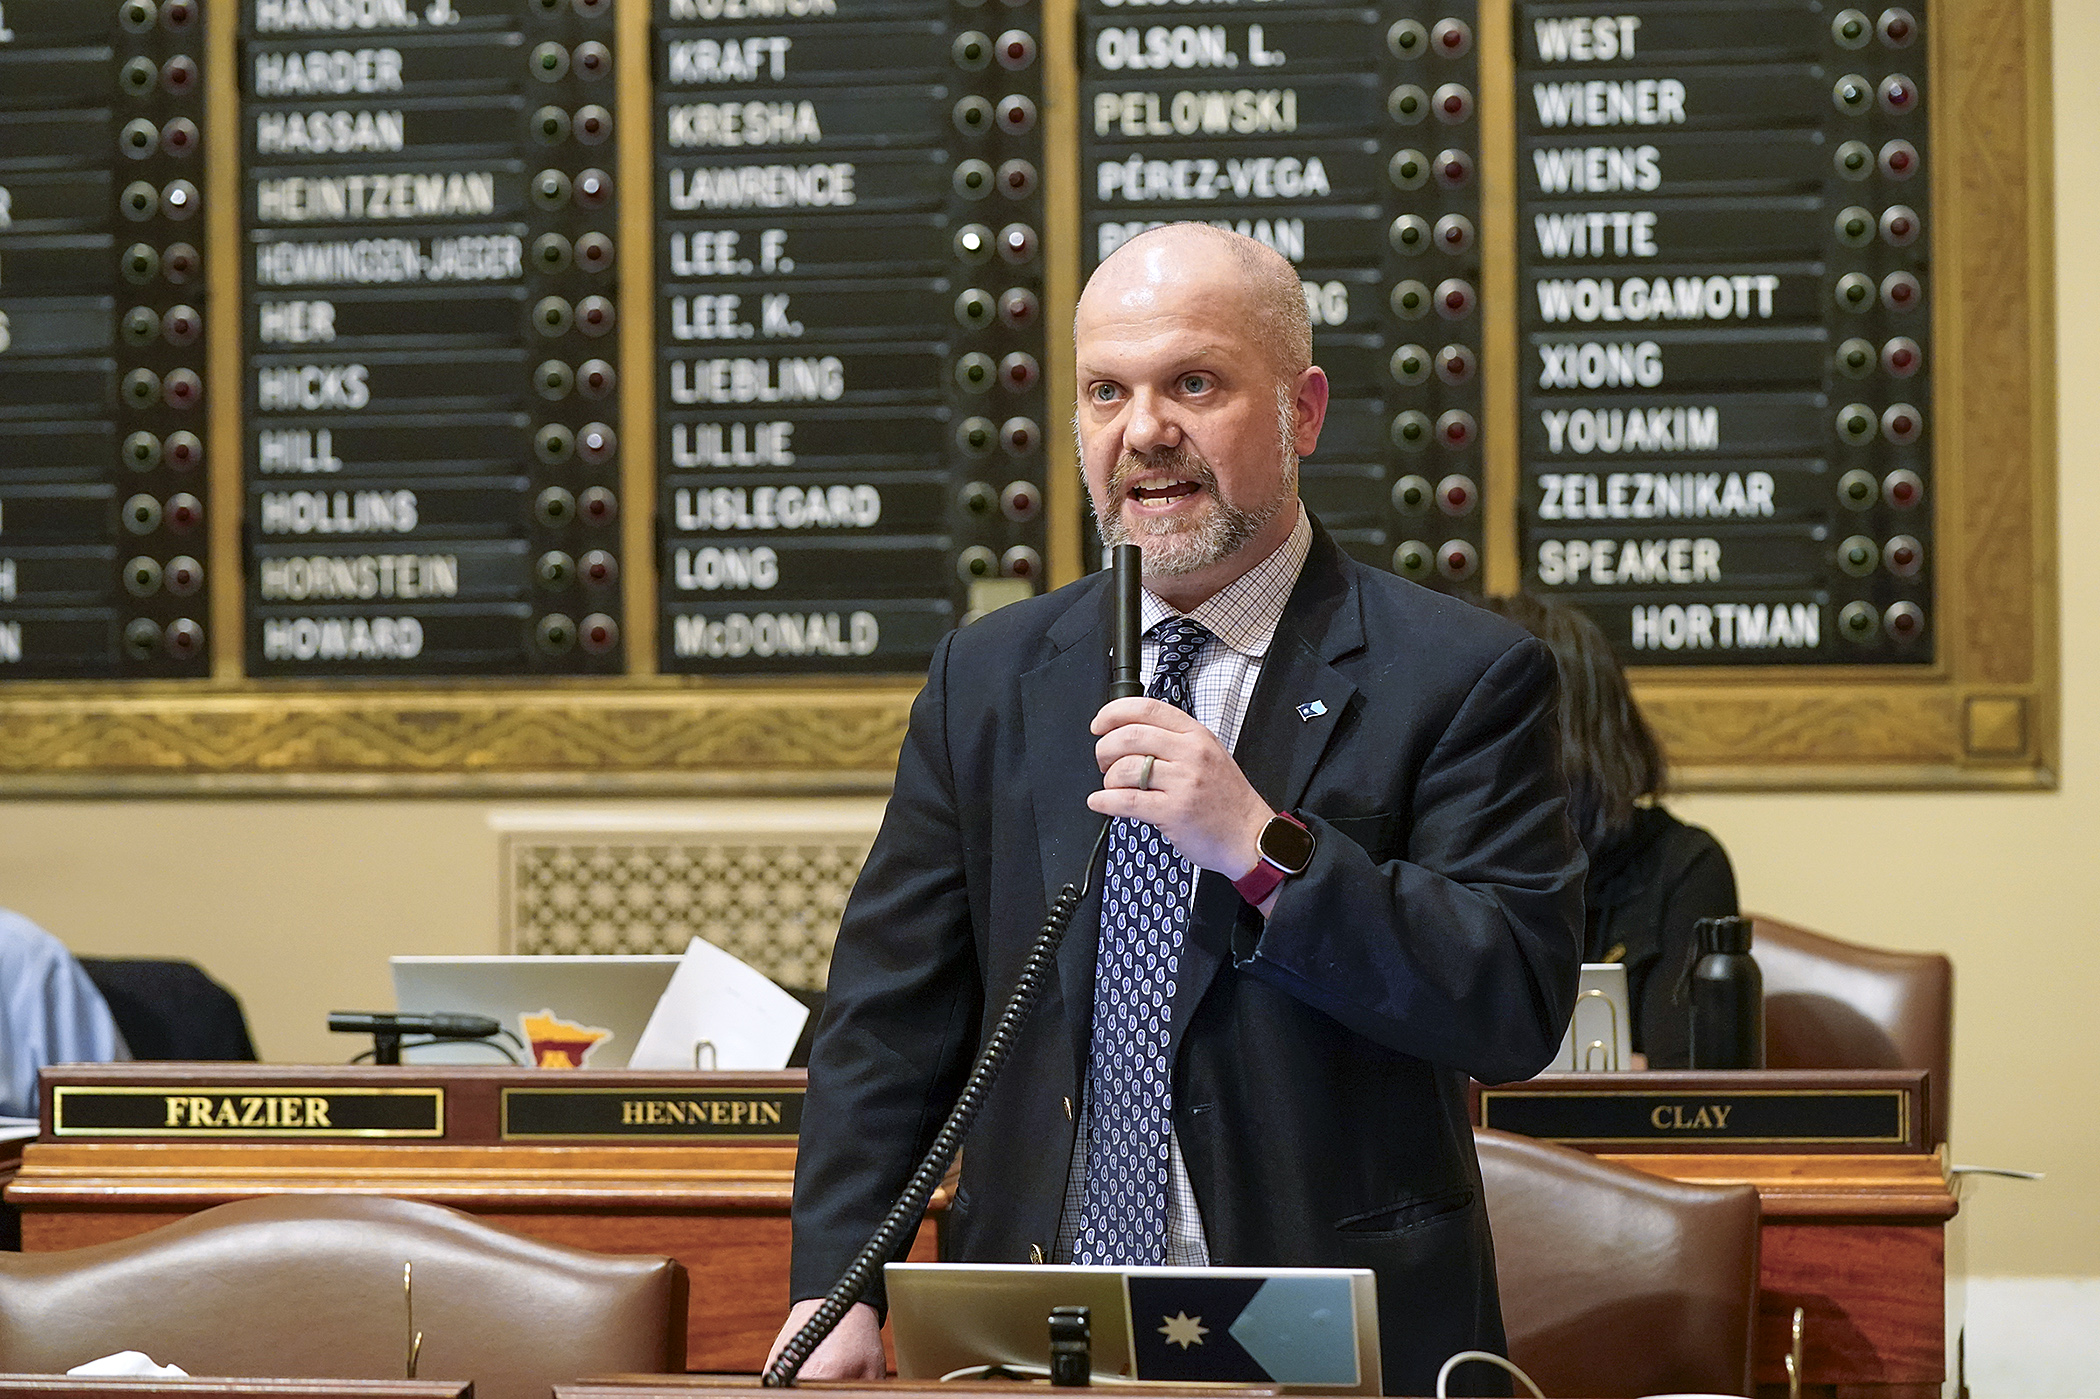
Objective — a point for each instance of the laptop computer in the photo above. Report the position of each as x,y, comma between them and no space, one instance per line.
581,1012
1310,1330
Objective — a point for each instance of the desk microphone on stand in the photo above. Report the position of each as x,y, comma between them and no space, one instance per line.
387,1027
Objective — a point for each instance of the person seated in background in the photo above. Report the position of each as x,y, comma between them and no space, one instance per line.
50,1013
1651,875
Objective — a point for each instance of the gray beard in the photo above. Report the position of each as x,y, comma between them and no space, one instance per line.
1174,547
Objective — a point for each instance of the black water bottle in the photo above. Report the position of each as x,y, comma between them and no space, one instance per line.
1728,998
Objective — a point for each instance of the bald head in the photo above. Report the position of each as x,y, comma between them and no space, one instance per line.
1195,257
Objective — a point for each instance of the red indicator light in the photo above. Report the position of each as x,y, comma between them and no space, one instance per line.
1455,364
594,315
1454,103
1019,435
1016,116
1451,38
1016,179
1454,299
181,326
1456,495
1016,50
1019,372
1018,307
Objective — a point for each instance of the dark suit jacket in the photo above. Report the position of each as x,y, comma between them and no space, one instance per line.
1320,1060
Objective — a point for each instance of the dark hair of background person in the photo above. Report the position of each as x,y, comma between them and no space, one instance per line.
1652,877
1607,750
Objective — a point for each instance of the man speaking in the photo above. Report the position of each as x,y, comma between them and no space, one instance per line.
1339,878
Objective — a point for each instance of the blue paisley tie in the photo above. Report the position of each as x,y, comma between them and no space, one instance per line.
1144,910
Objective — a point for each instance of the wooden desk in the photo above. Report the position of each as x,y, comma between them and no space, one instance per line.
1855,1199
205,1387
1857,1242
723,1212
717,1203
744,1386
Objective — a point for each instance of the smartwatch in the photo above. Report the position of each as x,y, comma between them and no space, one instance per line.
1286,849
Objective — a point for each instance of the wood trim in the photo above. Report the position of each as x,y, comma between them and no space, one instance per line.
661,735
1796,1187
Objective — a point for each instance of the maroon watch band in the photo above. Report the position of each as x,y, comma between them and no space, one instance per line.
1261,881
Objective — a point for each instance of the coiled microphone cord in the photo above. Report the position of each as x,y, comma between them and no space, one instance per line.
904,1216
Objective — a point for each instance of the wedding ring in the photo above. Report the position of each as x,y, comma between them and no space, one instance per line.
1145,773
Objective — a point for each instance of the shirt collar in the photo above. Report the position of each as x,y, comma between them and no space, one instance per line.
1245,613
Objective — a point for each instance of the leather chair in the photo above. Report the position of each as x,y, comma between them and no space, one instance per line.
1831,1004
1615,1282
310,1286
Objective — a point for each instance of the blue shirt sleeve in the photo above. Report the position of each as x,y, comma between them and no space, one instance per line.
50,1013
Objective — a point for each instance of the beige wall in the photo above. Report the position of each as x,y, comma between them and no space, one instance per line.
297,903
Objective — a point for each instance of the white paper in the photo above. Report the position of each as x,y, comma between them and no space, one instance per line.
128,1363
726,1010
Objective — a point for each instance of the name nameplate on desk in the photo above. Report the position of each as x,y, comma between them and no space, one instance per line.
251,1110
626,1114
1714,1111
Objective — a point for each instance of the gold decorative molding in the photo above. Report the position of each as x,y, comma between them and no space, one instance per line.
643,737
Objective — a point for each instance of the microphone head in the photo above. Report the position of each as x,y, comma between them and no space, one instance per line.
1126,652
444,1025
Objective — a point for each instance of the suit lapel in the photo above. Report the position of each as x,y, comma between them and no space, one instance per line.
1297,705
1058,700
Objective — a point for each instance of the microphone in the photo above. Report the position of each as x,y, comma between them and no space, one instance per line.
1127,653
444,1025
1126,663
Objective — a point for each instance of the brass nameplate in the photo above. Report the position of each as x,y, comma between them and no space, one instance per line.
1656,1117
251,1110
650,1114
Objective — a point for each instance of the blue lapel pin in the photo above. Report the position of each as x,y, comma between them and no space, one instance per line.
1311,710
